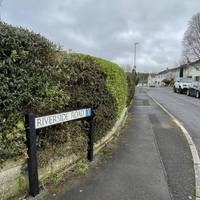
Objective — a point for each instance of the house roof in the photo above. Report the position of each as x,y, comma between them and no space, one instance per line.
181,66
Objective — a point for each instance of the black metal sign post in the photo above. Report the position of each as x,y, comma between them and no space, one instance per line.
32,154
32,123
91,137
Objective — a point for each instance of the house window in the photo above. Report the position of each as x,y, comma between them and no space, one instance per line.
181,72
197,78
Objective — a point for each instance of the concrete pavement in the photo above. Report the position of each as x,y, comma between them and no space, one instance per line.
152,162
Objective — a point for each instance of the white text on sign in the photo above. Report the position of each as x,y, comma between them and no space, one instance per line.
50,120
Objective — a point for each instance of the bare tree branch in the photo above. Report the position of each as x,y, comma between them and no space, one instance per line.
191,40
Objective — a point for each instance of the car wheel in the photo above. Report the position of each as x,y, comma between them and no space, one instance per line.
180,91
197,94
188,92
174,89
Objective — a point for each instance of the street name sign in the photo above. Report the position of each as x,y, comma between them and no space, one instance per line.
41,122
32,123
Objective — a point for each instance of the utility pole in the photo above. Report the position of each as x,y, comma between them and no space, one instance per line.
135,52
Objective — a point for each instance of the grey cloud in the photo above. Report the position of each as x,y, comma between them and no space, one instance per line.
109,29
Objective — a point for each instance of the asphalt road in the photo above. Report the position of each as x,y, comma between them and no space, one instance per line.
152,161
185,108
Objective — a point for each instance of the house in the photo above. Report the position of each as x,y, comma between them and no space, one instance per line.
154,80
190,70
169,74
151,80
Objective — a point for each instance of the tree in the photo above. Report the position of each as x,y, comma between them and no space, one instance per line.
191,40
127,68
143,77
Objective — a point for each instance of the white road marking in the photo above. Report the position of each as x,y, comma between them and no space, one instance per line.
193,149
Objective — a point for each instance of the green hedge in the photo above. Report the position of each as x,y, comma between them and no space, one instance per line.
86,84
132,80
26,63
36,77
116,82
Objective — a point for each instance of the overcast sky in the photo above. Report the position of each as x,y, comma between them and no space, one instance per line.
109,28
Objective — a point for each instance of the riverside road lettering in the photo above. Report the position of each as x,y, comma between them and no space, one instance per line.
49,120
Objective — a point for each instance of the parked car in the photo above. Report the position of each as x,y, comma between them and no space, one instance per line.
152,85
194,90
182,85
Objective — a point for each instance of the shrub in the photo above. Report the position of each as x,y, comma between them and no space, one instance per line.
132,80
26,62
116,82
171,84
168,82
36,77
86,85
